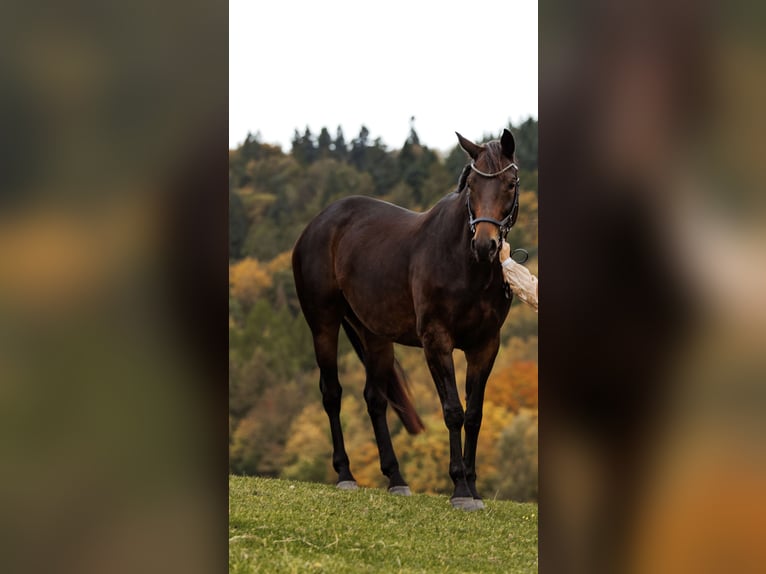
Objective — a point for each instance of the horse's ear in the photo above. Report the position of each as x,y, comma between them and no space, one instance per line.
508,144
469,147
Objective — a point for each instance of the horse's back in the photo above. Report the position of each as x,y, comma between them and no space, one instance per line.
349,222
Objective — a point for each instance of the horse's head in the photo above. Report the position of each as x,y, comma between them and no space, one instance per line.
491,187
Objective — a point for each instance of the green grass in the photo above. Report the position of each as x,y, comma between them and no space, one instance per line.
286,526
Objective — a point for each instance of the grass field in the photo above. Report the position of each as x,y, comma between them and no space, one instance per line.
285,526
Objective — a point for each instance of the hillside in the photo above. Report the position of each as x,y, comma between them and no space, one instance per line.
289,526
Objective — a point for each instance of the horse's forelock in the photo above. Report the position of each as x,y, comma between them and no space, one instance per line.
494,157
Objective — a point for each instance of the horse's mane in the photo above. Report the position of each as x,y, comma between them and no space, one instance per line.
463,177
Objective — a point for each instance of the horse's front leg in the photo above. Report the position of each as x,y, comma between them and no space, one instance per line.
438,346
480,361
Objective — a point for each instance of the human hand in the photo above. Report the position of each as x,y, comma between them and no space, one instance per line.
505,251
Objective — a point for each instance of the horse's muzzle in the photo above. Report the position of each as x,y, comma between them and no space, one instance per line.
484,250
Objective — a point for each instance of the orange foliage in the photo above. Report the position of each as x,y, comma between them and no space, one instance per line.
514,386
248,278
494,421
308,451
281,262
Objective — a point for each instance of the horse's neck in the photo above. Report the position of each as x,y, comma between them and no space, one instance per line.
450,217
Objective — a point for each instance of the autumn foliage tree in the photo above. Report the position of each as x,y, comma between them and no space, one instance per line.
514,386
248,278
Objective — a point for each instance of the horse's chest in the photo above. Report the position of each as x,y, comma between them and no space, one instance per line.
469,316
474,317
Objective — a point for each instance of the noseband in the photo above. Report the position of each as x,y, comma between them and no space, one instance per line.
505,225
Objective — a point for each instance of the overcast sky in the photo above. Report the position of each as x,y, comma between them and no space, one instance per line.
456,66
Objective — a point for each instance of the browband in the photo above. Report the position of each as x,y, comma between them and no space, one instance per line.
506,168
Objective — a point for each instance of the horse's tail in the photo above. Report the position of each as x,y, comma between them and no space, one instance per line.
399,397
397,394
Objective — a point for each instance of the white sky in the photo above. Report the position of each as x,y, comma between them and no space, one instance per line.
455,66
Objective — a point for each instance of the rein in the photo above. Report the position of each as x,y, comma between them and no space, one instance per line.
505,225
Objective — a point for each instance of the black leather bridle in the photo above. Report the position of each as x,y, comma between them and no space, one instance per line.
504,225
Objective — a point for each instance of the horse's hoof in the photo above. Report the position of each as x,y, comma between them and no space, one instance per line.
346,485
400,490
466,503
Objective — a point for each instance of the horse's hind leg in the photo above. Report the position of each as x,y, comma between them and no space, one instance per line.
379,363
326,349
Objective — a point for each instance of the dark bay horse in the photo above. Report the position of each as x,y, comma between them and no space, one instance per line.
430,280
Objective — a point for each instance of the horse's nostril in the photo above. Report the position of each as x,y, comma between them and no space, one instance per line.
473,245
492,248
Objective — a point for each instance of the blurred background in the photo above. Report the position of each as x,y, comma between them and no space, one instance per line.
654,299
113,247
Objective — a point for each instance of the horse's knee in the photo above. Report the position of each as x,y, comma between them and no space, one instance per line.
472,419
331,393
454,417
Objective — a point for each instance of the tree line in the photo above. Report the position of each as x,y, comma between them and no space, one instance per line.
277,425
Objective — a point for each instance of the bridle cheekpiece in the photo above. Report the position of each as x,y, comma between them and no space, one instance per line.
505,225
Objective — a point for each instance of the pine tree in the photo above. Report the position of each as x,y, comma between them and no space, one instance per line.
413,138
324,141
339,145
358,154
303,147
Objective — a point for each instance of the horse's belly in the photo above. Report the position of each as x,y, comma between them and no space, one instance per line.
392,318
382,306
